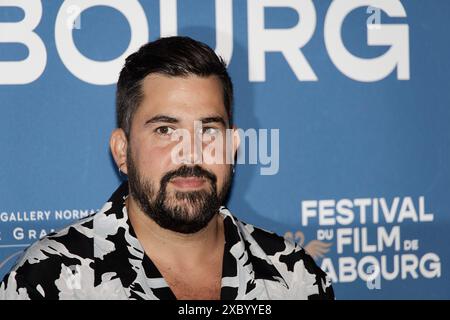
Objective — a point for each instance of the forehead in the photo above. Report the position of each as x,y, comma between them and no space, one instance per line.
182,96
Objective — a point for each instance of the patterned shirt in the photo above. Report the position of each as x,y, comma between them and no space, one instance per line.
100,257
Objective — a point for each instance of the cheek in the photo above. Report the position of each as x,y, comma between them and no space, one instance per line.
218,151
154,160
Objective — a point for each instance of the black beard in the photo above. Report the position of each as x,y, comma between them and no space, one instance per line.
183,212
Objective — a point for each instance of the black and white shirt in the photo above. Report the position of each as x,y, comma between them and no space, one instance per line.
100,257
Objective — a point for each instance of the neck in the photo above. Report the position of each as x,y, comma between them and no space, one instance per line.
164,244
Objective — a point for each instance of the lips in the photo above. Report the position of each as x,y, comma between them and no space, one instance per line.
188,182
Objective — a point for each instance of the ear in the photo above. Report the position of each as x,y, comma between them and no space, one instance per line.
118,144
236,142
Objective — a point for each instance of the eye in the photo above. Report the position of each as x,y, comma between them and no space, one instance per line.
164,130
210,131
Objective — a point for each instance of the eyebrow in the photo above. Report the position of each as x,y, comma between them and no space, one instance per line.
169,119
212,120
161,118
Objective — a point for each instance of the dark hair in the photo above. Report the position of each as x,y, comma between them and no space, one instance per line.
172,56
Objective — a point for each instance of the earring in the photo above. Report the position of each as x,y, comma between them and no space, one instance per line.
120,170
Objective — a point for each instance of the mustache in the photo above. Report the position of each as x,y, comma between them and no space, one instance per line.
188,171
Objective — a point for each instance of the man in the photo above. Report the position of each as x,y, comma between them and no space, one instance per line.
165,234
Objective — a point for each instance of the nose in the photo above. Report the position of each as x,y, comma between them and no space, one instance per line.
189,149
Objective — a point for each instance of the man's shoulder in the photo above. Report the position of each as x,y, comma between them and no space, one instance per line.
271,243
292,262
44,267
73,241
68,245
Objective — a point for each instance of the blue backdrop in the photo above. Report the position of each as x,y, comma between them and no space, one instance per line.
358,90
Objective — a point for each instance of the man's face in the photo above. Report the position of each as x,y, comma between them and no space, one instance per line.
184,196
